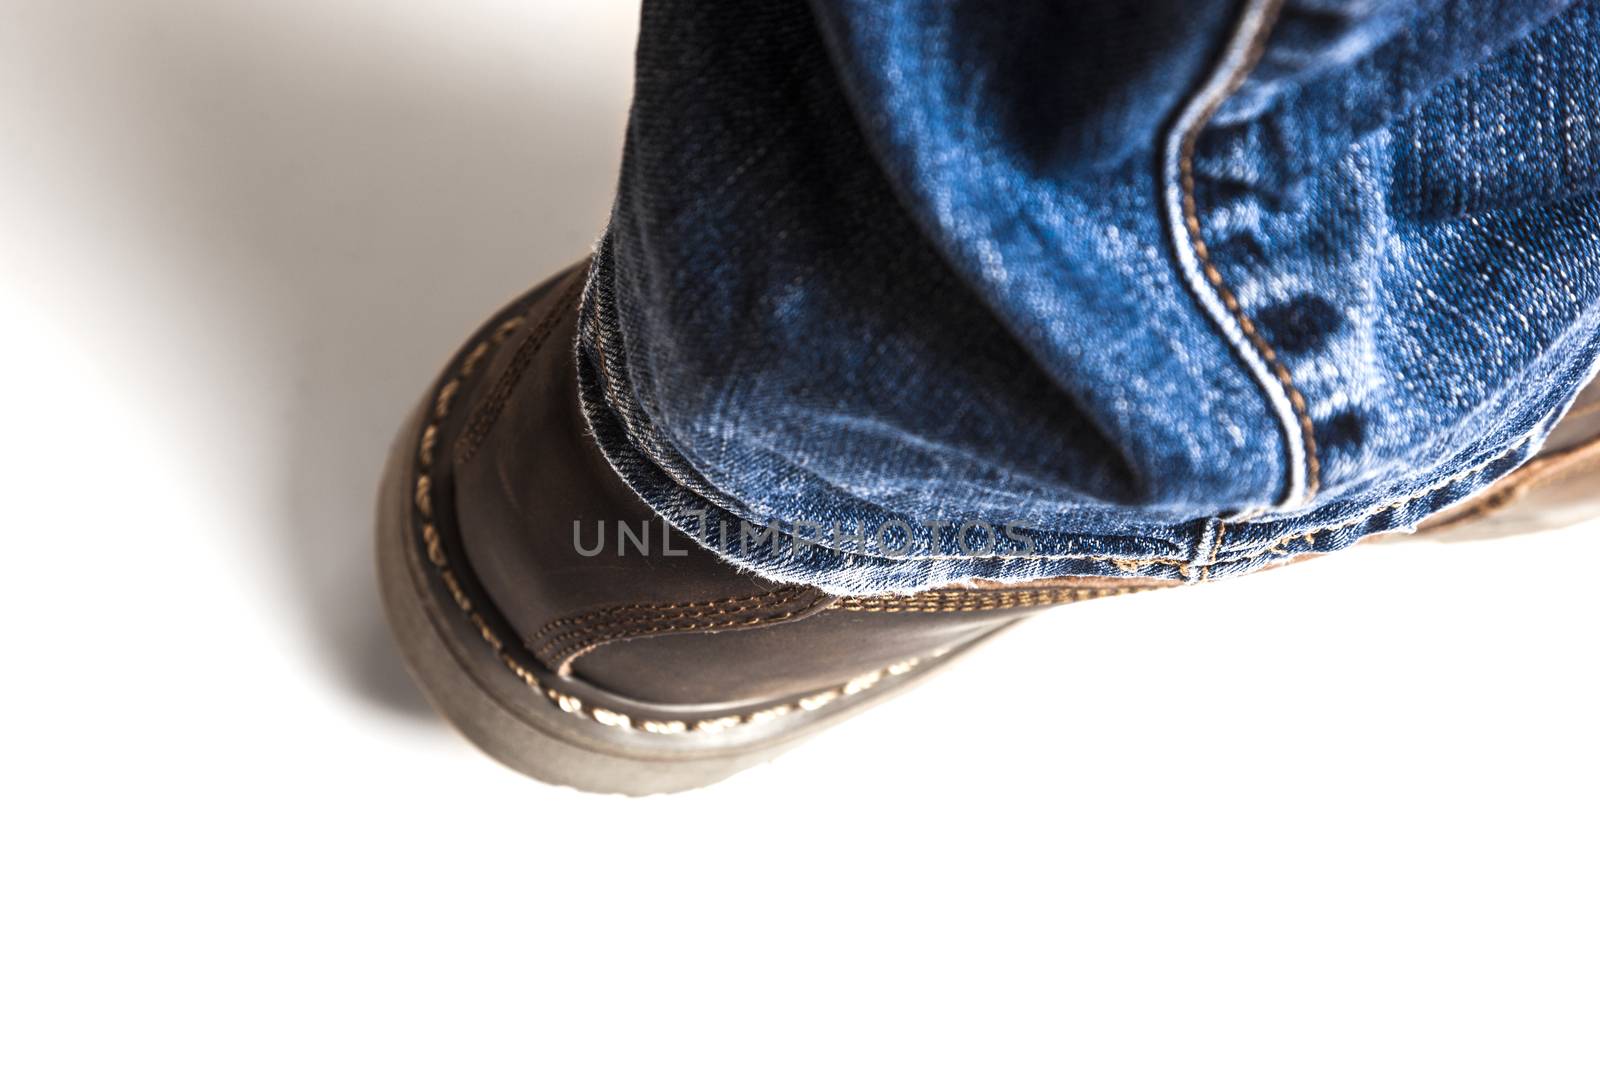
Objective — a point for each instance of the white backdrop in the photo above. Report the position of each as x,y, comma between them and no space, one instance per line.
1342,813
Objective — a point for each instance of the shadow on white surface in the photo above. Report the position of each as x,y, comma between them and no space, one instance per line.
333,201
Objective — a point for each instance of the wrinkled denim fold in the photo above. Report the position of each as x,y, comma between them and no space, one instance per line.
902,293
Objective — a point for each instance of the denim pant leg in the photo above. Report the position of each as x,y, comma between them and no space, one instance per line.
900,293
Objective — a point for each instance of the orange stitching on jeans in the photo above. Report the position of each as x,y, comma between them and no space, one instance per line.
1310,535
1541,472
972,600
1216,546
1191,221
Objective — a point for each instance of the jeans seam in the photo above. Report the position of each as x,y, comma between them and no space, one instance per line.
1201,272
1216,547
978,600
1277,547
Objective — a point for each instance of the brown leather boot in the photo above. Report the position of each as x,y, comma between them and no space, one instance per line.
653,671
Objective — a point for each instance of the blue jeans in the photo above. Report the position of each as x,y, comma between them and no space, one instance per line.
900,293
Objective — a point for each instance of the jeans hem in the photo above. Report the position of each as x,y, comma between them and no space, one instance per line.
1193,550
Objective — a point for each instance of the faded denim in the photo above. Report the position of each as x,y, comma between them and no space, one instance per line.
1172,288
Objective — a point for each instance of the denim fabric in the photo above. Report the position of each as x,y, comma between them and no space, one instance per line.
945,289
